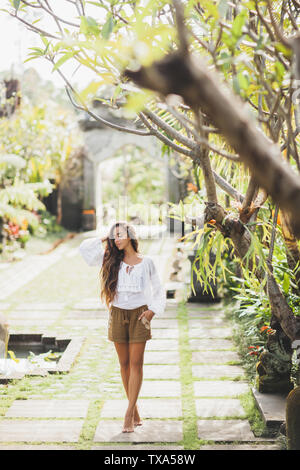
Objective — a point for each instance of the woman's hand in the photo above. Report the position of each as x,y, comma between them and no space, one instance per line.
148,314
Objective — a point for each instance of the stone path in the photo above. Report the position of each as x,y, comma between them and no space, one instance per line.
191,393
11,279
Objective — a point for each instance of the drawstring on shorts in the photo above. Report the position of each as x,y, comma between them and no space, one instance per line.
125,318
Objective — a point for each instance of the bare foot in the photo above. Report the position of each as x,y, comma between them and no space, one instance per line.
137,419
128,423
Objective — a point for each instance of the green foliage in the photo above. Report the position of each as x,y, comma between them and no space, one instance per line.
250,306
47,224
111,36
209,259
108,27
16,4
232,39
35,144
43,136
250,310
18,201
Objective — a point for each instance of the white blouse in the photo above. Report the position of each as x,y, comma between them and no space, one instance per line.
137,285
130,286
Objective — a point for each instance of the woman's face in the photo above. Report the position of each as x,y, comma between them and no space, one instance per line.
121,238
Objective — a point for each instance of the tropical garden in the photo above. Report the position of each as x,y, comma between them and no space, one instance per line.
217,83
37,139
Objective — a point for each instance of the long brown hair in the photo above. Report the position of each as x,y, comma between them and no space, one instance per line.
112,260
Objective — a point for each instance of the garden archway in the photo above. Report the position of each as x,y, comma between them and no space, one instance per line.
101,144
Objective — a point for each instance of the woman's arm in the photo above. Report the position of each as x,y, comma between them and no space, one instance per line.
92,251
159,299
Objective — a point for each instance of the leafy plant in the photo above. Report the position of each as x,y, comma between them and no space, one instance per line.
35,144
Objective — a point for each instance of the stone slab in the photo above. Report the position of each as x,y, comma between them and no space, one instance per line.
201,344
217,371
219,388
168,313
85,323
204,311
205,315
151,431
162,345
161,371
161,357
39,323
214,357
171,303
148,408
210,332
48,409
215,322
40,430
35,447
89,314
160,388
204,305
93,305
225,430
89,300
34,315
240,447
30,267
4,306
219,408
45,306
272,408
165,333
164,323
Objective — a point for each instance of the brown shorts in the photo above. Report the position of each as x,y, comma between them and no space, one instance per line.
125,327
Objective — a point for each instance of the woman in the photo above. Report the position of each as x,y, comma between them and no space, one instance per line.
131,288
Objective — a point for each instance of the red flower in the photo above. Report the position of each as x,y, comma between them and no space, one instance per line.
192,187
263,328
13,229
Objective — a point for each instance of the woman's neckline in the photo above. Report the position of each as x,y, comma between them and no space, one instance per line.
134,264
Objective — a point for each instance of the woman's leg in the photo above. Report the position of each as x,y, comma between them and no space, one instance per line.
136,361
123,355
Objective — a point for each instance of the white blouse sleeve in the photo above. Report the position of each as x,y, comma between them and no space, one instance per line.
92,251
159,299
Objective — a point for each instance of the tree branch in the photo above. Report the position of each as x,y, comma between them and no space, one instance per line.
104,121
223,184
189,77
35,29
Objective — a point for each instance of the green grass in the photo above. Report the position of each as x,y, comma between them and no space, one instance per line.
190,439
257,425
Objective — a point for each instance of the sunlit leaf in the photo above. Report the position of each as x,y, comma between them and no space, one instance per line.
62,60
107,27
